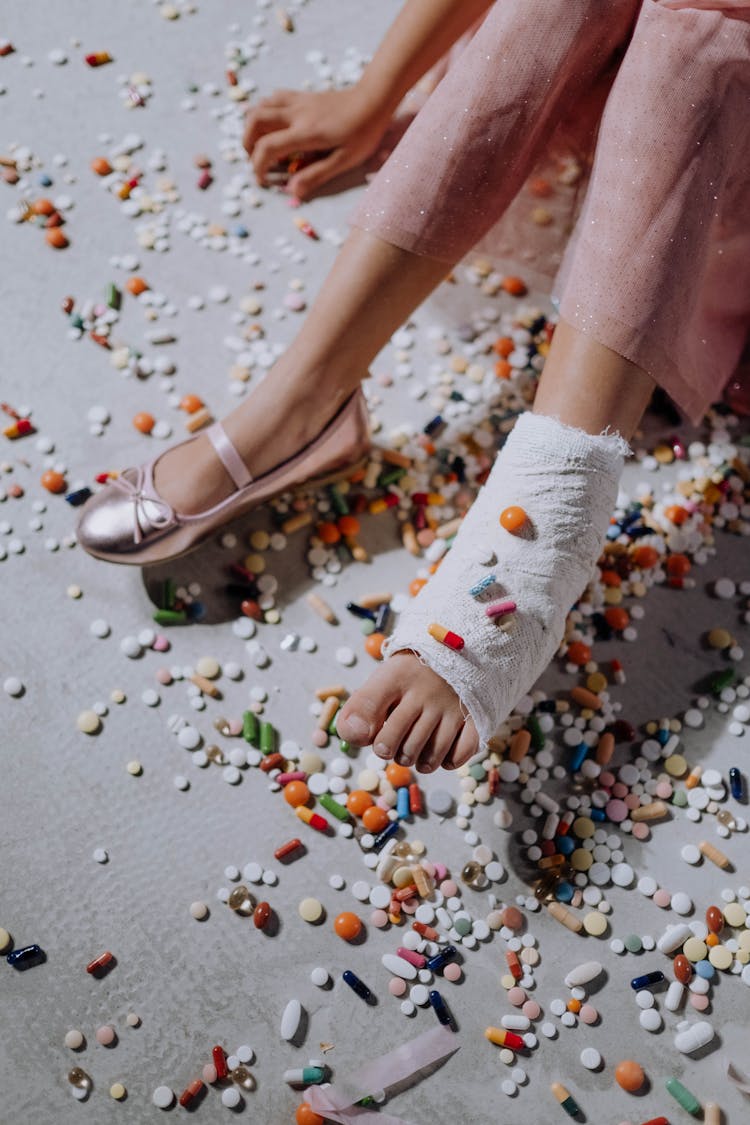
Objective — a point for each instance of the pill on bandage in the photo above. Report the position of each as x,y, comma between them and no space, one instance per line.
500,609
513,519
446,637
480,586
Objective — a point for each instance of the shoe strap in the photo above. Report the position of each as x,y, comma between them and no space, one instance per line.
228,455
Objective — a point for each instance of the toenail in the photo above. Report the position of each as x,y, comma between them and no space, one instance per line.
359,729
382,750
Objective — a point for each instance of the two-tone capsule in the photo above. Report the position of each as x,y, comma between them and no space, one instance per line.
566,1099
646,980
502,1038
445,637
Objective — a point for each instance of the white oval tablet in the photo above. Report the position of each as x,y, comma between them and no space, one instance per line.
290,1020
696,1036
398,966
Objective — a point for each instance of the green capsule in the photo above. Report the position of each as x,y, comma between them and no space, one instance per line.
338,501
390,476
722,680
682,1095
333,807
168,594
537,735
114,296
344,746
250,728
267,737
170,617
331,728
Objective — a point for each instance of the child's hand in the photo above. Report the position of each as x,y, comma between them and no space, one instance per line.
342,125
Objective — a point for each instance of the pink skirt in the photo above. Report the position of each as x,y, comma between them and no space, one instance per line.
612,151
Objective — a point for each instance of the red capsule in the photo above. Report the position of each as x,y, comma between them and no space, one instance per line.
425,931
190,1093
220,1062
403,894
261,915
683,970
714,919
100,963
515,966
415,798
494,781
287,848
272,762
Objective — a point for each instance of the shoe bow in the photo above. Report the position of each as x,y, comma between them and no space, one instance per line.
140,497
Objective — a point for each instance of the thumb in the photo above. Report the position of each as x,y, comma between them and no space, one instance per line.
307,181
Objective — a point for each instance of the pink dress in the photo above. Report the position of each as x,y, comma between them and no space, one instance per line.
609,143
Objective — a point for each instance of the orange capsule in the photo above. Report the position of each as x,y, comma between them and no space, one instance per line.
55,237
43,207
348,525
578,653
515,966
261,915
676,514
678,566
296,793
503,369
375,819
347,925
191,404
645,557
513,519
374,645
398,775
101,166
329,533
515,286
144,422
416,585
714,919
359,800
101,962
136,286
617,618
53,481
683,970
306,1115
503,346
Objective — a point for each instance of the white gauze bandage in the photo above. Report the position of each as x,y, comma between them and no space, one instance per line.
566,482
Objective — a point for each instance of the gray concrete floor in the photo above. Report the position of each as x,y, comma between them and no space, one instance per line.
63,795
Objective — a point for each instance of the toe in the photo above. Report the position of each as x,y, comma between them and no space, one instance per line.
438,747
420,736
464,748
365,713
390,738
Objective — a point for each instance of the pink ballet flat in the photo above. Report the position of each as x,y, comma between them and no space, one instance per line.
129,522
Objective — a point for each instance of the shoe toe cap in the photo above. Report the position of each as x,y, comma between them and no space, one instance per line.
105,526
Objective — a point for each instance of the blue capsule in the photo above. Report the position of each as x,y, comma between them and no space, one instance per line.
360,611
480,586
358,986
27,957
402,801
80,496
646,980
736,784
441,1008
577,757
441,959
382,618
383,837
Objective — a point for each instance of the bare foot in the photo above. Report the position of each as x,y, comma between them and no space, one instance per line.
409,714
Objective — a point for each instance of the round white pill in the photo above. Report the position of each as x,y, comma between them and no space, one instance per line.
162,1097
230,1097
591,1058
320,976
650,1020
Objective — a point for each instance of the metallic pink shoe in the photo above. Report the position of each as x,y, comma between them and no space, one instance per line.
128,522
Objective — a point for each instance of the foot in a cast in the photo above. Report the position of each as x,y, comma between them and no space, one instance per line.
489,621
411,715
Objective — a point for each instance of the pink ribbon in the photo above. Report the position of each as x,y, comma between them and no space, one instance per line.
338,1102
140,497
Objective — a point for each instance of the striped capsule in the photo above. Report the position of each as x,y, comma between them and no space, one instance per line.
566,1099
446,637
502,1038
315,820
190,1093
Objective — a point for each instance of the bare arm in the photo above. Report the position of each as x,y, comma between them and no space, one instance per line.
346,126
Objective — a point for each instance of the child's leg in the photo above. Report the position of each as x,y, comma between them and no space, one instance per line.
454,173
412,708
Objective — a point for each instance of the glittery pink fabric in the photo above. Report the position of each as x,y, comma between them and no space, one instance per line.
615,151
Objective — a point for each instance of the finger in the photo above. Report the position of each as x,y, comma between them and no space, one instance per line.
272,148
303,184
259,122
464,748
